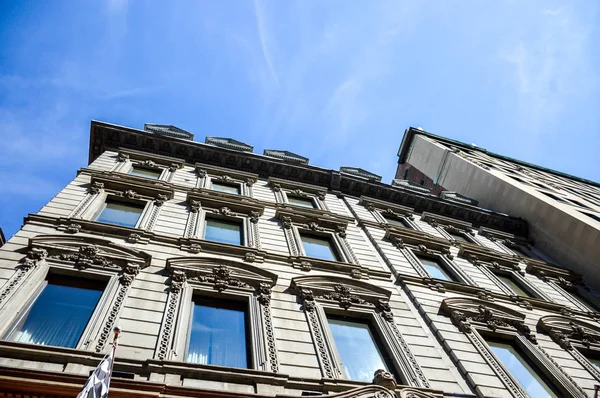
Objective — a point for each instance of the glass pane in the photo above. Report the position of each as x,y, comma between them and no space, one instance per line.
595,362
218,336
143,172
223,231
357,348
58,316
512,285
124,214
459,237
227,188
318,248
435,269
304,202
528,377
396,223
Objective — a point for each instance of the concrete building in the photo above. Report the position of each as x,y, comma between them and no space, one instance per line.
235,274
563,211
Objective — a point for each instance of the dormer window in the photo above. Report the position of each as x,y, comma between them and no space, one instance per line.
153,174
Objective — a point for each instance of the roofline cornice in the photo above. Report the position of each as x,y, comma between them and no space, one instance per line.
106,136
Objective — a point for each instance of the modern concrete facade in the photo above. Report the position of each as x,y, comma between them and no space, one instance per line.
563,211
434,280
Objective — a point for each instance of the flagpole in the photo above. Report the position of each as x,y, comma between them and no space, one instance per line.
116,331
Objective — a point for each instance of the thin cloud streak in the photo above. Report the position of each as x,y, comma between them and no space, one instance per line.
262,35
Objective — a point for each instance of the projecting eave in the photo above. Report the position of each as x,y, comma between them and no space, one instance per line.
411,132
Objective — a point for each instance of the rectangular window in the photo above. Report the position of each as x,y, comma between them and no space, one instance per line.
223,231
60,312
227,188
144,172
358,349
397,222
525,372
318,247
302,202
457,236
120,213
510,283
218,334
435,269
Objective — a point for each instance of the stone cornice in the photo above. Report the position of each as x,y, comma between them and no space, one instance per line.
415,239
158,159
207,198
119,182
475,253
105,136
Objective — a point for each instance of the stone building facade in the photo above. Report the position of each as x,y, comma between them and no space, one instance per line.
347,287
563,211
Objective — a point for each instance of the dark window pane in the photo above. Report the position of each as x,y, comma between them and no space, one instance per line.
147,173
459,237
304,202
58,316
218,335
397,222
223,231
318,248
595,362
119,213
357,348
528,377
435,269
512,285
227,188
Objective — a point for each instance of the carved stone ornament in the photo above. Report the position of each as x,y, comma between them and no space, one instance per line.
287,222
194,206
224,178
485,296
195,248
96,187
356,274
398,242
149,163
173,167
254,216
423,248
321,195
299,192
307,298
370,206
130,271
226,211
385,379
86,257
178,279
131,194
250,257
341,231
385,310
160,199
276,187
73,228
33,257
447,253
264,293
133,238
201,173
250,181
221,279
305,266
314,226
123,157
343,295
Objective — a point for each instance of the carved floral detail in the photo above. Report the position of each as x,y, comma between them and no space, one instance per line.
73,228
96,187
33,257
314,226
385,310
287,222
254,216
343,294
307,298
264,293
86,257
221,279
385,379
250,257
195,206
178,279
160,199
305,266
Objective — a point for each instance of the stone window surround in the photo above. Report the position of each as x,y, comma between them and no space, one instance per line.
413,243
283,188
105,186
208,174
127,159
381,210
219,205
476,319
564,282
89,258
446,225
217,278
297,221
322,295
576,336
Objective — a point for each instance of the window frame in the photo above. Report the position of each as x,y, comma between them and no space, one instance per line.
227,184
282,188
221,279
325,237
79,258
161,171
209,174
109,198
127,159
323,295
517,279
302,195
441,262
240,221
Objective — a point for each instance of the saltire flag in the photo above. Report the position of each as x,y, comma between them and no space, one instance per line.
98,383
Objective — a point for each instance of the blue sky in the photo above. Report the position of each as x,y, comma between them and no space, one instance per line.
336,81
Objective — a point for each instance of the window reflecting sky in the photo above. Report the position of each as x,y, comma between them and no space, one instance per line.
434,269
318,248
223,231
118,213
227,188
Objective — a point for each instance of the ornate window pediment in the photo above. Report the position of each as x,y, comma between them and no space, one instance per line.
479,255
436,220
298,188
122,185
468,312
208,174
150,160
566,331
386,208
220,201
407,238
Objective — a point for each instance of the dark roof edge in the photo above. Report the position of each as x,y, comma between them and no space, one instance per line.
409,135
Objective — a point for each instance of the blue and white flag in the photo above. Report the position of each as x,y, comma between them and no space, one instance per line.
98,383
